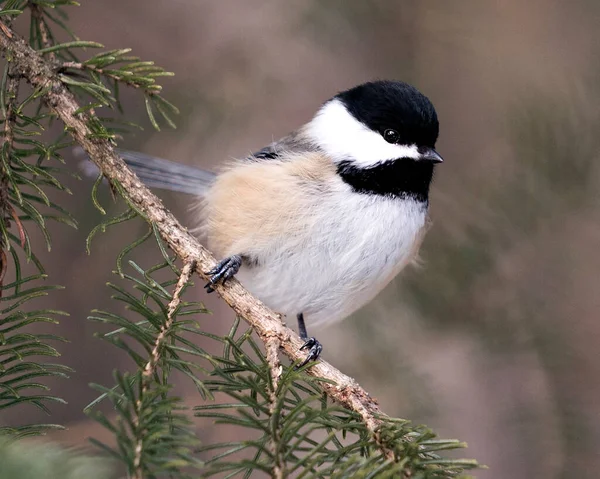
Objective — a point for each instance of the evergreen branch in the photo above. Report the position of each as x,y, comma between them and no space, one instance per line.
20,374
155,356
154,435
37,16
297,433
10,93
122,75
268,325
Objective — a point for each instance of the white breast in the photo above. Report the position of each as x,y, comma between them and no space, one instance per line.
355,245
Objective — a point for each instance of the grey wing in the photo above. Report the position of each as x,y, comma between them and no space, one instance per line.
290,143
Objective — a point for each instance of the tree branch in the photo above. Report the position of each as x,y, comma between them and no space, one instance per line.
275,371
101,71
150,368
37,12
267,324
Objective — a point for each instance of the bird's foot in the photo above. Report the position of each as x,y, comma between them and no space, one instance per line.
314,351
226,269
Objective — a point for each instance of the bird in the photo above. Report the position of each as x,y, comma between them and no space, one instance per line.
317,223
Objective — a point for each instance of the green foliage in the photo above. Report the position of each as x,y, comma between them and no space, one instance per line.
30,168
29,171
154,435
302,431
153,438
100,76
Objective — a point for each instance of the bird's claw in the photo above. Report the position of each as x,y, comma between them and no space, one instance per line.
224,270
314,351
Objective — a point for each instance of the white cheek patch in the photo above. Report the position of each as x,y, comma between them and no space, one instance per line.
342,137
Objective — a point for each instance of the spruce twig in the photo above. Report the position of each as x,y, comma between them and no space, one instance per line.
6,210
150,368
275,370
22,186
122,76
37,13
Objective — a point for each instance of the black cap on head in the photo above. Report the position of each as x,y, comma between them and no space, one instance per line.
383,105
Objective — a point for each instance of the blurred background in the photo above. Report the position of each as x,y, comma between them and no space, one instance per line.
494,338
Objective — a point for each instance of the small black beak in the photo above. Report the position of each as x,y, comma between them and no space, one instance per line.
431,155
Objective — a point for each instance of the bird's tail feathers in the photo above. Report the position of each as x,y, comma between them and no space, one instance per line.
159,173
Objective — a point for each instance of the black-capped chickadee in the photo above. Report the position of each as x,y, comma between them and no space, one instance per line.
317,223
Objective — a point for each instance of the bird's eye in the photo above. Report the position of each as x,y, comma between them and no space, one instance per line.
391,136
